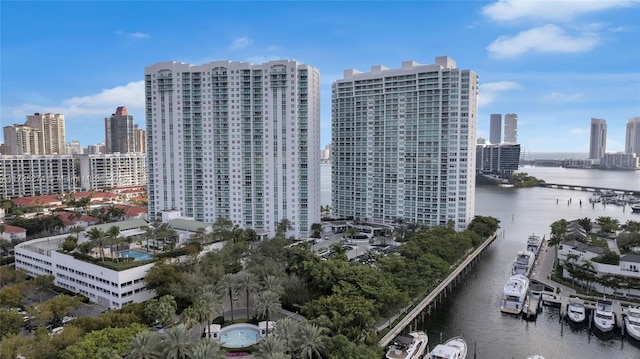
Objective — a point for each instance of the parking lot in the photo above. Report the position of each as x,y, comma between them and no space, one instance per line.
359,246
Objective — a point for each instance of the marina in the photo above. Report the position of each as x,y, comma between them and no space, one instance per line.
470,309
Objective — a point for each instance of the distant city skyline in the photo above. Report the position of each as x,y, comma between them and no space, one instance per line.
555,66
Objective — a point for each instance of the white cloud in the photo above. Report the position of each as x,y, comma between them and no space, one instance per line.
563,97
548,38
578,131
488,92
240,43
101,104
133,35
273,48
563,11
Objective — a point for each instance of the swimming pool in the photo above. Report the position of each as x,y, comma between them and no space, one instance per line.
239,335
136,255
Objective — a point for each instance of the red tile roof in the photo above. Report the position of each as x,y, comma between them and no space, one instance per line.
70,222
132,211
13,229
47,200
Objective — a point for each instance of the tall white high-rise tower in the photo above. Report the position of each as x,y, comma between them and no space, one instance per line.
598,143
495,128
511,128
632,143
235,140
404,144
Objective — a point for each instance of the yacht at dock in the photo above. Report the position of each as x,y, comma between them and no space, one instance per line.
523,263
515,292
454,348
411,346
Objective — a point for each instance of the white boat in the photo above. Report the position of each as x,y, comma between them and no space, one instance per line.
454,348
632,322
535,357
635,207
575,311
523,263
533,243
604,319
411,346
515,292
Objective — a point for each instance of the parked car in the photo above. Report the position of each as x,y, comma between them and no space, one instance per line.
67,319
55,331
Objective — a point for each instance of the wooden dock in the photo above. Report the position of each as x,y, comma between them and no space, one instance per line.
437,293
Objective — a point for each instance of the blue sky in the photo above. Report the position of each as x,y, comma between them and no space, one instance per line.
554,63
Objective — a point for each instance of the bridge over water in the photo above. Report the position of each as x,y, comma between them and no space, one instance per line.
589,188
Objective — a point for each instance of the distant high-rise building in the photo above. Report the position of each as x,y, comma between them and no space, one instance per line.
598,143
503,158
120,135
511,128
495,128
403,149
632,144
141,139
235,140
481,141
96,149
21,140
52,133
74,148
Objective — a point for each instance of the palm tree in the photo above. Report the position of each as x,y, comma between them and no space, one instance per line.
145,345
286,330
311,341
338,251
114,238
207,349
98,237
189,317
270,348
283,227
228,285
248,283
177,342
267,303
210,305
273,284
149,234
586,270
571,260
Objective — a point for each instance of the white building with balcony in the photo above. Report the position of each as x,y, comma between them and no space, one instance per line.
404,144
235,140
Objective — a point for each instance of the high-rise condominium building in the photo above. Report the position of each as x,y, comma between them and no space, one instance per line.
141,139
99,171
511,128
632,144
403,144
495,128
598,143
74,148
52,133
120,132
235,140
21,140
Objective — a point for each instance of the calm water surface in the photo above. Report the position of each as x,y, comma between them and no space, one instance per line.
473,310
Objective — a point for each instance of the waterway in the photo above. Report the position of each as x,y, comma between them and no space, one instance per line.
473,309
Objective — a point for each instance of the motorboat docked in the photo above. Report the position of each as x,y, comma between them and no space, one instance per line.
533,243
411,346
515,292
635,207
523,263
576,312
632,322
604,319
454,348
